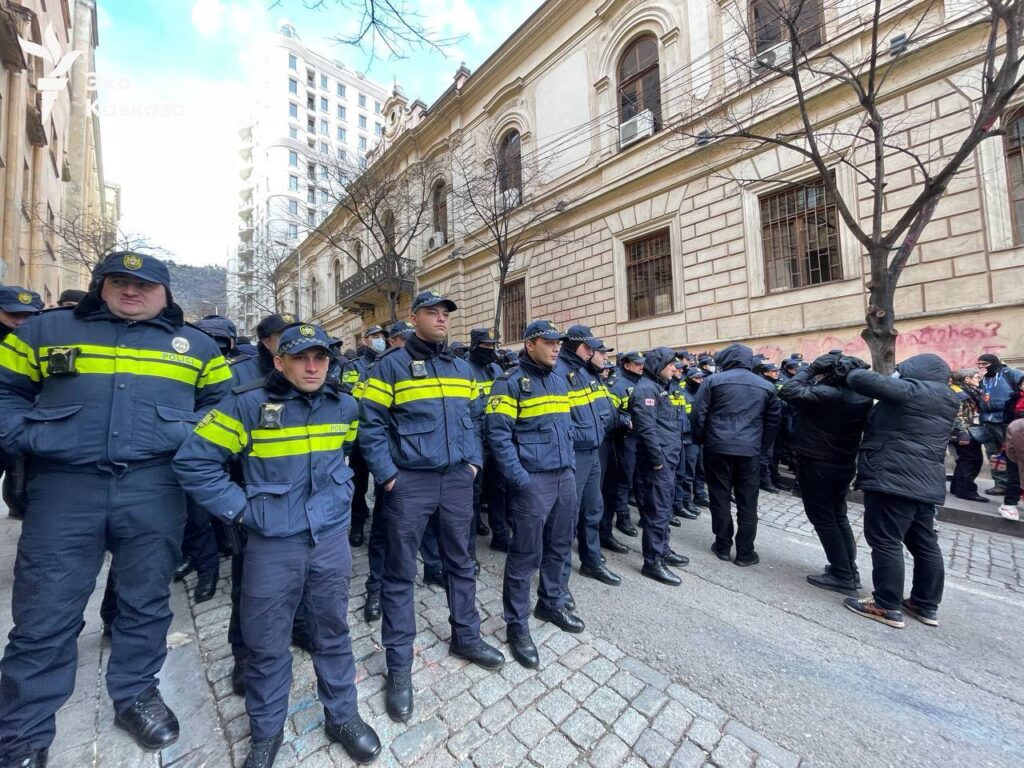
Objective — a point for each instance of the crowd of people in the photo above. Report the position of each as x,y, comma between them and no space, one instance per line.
126,430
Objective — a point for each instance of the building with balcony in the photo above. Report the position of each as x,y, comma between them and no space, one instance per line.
673,236
309,112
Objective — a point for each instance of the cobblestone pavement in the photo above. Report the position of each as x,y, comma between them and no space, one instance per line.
588,704
975,555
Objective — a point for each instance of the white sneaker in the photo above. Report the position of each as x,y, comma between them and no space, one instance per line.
1009,511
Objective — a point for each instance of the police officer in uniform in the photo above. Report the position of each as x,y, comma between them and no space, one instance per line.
772,449
529,431
248,368
686,474
590,425
632,368
693,380
99,397
353,378
489,484
16,306
419,430
290,435
657,424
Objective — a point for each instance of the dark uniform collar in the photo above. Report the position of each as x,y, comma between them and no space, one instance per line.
634,377
570,358
279,388
530,367
419,349
369,354
171,318
657,379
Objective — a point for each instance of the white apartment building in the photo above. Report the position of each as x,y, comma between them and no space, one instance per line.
309,112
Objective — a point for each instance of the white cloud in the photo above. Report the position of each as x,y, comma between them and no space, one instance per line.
208,17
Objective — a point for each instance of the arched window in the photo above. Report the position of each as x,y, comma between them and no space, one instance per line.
1013,144
387,226
357,252
337,280
440,206
639,80
314,291
510,163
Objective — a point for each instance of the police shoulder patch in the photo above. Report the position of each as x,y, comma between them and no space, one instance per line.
206,420
180,344
650,401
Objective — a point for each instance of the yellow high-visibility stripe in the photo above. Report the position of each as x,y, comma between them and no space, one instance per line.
353,432
434,387
297,446
111,367
304,431
350,376
485,387
141,354
377,391
19,357
223,430
503,405
217,370
544,401
543,410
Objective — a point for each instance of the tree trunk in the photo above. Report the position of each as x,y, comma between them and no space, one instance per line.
497,308
880,332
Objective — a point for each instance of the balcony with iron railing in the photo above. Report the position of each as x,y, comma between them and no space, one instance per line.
375,280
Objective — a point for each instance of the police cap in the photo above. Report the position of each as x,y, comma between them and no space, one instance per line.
71,296
399,328
139,265
582,333
432,299
298,338
694,373
374,329
14,298
272,324
631,357
482,336
218,327
542,329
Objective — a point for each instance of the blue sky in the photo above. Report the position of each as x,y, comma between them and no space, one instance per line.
171,78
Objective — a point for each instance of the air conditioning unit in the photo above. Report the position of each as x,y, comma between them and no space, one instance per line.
771,60
509,199
639,127
436,240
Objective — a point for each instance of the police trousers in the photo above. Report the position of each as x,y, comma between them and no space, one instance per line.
279,574
415,497
72,520
589,510
541,516
625,476
686,477
656,490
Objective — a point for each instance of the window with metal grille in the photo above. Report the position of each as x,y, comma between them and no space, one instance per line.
639,80
769,22
649,275
440,204
800,237
513,310
1013,143
510,163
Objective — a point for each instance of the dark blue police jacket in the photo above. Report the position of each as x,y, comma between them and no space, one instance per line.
291,448
589,418
83,388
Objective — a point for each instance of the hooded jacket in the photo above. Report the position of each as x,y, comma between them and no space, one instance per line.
84,388
656,416
999,383
735,409
832,418
904,447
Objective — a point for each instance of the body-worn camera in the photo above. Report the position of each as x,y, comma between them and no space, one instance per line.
525,386
270,415
418,369
62,361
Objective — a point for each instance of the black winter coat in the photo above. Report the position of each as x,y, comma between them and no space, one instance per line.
904,446
831,418
736,408
655,414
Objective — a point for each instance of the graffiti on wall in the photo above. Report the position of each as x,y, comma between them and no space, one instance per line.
958,343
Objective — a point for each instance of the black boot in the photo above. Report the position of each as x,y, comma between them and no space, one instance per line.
398,695
263,753
627,528
689,512
570,601
611,543
600,573
564,619
206,587
674,521
499,545
523,649
372,610
833,583
482,529
358,739
659,572
434,576
702,501
183,570
356,537
238,678
479,653
768,487
674,558
150,722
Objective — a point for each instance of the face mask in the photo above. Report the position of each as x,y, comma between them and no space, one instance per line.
894,375
483,355
378,345
711,368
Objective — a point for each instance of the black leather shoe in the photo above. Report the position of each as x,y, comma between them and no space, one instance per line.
997,490
743,562
769,488
150,722
720,554
674,558
564,619
358,739
482,529
499,545
238,679
34,759
659,572
108,629
689,513
856,574
832,583
183,570
600,573
398,695
613,544
627,528
356,537
523,649
476,567
702,501
479,653
975,497
206,588
263,753
371,611
434,577
674,521
570,601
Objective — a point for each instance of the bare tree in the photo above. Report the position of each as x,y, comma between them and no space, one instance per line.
270,283
389,25
377,214
500,205
81,240
786,54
